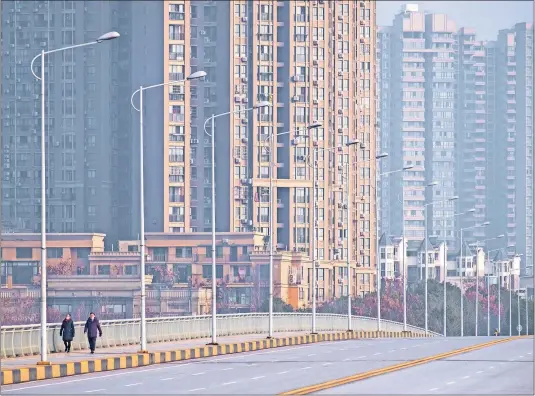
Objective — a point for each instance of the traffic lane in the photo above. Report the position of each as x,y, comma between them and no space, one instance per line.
317,372
329,351
490,370
269,374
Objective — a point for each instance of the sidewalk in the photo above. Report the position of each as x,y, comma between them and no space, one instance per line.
102,353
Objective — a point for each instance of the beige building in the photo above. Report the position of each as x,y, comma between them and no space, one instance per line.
315,62
82,276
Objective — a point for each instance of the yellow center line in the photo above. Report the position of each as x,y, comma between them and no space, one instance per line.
384,370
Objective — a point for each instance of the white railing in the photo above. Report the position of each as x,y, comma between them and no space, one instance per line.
24,340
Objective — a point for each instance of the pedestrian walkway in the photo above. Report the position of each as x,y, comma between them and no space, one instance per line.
75,356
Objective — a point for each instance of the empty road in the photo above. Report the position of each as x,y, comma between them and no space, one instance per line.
284,369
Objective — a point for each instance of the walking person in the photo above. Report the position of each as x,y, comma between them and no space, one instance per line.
92,329
67,332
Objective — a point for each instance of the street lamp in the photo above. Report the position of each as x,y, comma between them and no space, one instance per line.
314,204
143,320
477,279
446,266
271,137
511,295
214,272
486,223
426,253
377,252
105,37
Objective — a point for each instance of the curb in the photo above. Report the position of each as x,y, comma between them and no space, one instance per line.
59,370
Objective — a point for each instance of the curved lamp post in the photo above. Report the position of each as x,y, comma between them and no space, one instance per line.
143,322
104,37
214,267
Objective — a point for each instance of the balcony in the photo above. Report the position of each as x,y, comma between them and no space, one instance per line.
176,56
176,178
265,37
176,158
176,117
173,218
176,198
177,36
176,76
177,16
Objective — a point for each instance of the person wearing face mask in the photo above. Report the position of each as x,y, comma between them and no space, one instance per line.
67,332
92,329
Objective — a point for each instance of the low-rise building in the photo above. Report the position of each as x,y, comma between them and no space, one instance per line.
82,276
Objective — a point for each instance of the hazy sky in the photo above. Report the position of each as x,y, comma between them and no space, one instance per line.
487,17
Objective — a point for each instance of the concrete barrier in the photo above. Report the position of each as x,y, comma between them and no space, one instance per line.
25,340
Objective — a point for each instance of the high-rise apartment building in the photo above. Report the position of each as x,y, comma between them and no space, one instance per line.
471,131
513,139
384,40
460,110
440,123
315,61
87,128
417,123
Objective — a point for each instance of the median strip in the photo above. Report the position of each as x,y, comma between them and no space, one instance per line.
58,370
385,370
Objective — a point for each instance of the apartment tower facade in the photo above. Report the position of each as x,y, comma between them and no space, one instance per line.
88,141
315,62
513,140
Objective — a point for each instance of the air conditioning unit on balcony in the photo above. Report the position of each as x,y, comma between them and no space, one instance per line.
340,36
315,63
340,167
194,141
244,80
315,42
340,73
340,56
340,111
296,98
361,216
236,160
339,205
301,158
340,130
340,149
244,59
315,101
340,93
244,19
244,140
361,234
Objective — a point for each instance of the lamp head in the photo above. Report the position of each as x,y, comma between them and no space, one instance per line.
382,155
408,167
196,75
108,36
315,125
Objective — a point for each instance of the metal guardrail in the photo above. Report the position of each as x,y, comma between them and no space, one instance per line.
25,340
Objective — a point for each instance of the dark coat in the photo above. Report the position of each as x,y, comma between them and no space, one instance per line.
67,330
92,328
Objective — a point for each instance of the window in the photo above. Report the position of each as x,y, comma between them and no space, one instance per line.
207,271
54,252
24,253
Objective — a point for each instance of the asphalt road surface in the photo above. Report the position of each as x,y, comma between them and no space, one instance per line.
283,369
